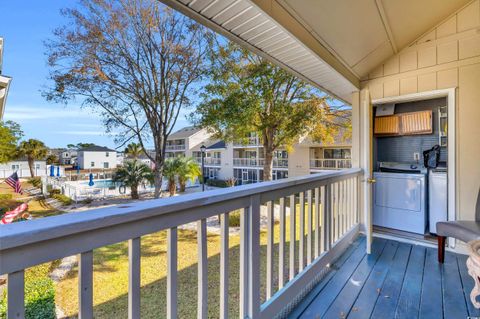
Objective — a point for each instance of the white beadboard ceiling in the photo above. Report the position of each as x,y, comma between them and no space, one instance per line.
243,22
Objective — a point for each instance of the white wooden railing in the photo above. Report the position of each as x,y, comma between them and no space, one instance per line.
175,147
331,163
250,141
325,205
213,161
258,162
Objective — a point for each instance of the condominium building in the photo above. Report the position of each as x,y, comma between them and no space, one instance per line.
4,83
245,161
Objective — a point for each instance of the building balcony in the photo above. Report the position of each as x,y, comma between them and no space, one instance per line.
259,162
175,147
209,161
328,212
330,163
251,141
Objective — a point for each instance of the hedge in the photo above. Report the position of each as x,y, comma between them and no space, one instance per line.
65,200
216,183
39,298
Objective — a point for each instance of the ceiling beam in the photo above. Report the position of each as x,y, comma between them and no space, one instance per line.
386,25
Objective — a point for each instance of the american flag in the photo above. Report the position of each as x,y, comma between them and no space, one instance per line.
11,215
14,182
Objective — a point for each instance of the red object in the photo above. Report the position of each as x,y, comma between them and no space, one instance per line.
10,216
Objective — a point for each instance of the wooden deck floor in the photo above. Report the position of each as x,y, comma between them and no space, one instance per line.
397,280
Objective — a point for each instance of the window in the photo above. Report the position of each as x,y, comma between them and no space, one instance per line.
105,165
92,164
37,166
15,167
107,154
336,153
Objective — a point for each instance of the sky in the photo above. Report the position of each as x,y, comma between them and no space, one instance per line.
25,27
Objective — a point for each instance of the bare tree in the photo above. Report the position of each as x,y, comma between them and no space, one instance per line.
136,62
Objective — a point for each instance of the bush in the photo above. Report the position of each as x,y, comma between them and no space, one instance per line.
35,182
234,219
216,183
39,298
6,196
87,200
65,200
54,191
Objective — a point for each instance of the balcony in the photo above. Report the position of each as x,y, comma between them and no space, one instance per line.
251,141
327,164
259,162
175,147
324,206
209,161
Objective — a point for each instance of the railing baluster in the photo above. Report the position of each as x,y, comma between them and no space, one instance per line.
134,278
317,222
281,245
254,260
224,236
85,285
16,295
328,216
244,236
344,207
270,224
356,200
323,229
292,236
337,212
301,257
350,203
172,250
202,310
309,226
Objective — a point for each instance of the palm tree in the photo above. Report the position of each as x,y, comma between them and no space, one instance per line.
188,170
134,150
171,170
132,174
33,150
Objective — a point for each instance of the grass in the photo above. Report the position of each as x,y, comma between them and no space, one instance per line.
37,208
111,276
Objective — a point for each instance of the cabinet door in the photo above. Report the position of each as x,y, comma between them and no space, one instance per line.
387,125
417,123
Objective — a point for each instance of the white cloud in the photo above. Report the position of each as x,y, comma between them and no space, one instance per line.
80,132
25,113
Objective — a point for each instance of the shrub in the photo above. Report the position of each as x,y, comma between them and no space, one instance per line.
234,219
54,191
35,182
6,196
216,183
87,200
65,200
39,298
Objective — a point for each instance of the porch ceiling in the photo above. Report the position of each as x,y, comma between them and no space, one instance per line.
364,33
245,23
332,44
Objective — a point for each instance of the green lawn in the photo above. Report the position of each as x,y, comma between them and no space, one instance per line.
111,276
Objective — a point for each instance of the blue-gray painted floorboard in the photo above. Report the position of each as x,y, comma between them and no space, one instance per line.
397,280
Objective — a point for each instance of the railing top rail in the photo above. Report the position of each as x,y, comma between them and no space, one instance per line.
50,228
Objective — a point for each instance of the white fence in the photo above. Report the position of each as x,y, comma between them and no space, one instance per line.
25,172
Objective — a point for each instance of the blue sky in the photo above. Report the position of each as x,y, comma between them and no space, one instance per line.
25,27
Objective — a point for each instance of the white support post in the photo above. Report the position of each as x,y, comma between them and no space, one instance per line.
202,310
85,285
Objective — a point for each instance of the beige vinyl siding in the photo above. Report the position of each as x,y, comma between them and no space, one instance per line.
448,56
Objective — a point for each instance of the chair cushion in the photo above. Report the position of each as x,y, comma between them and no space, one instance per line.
463,230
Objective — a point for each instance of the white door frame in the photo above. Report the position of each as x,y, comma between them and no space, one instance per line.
451,141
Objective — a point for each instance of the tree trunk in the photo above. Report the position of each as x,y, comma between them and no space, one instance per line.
172,187
134,191
183,185
30,166
158,174
268,164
